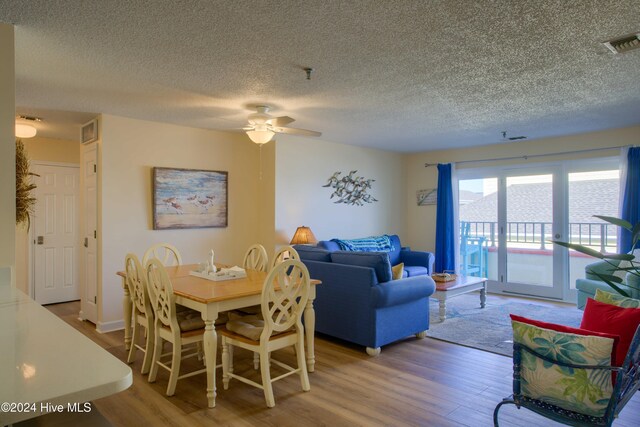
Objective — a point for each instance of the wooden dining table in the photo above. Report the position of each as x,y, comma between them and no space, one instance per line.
213,297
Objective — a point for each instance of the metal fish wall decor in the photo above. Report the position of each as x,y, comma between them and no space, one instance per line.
350,189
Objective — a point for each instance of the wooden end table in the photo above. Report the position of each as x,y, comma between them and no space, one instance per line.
461,285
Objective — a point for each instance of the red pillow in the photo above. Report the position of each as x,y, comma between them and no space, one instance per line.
576,331
612,319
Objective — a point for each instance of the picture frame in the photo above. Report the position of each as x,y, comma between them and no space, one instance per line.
427,197
189,198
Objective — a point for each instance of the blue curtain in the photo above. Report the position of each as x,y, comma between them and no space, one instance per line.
631,201
445,234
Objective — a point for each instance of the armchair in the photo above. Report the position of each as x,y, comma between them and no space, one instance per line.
626,384
587,287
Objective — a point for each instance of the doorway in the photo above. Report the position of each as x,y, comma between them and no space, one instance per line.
510,215
54,233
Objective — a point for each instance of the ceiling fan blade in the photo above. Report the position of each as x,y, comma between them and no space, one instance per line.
294,131
280,121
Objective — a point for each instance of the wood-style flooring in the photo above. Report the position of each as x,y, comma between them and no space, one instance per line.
412,383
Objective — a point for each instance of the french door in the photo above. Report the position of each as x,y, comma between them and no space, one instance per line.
508,217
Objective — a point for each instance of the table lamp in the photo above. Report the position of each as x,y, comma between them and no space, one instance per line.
303,236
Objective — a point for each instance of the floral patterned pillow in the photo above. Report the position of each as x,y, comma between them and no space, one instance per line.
616,299
581,390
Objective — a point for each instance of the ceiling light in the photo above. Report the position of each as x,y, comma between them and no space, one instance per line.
25,131
260,136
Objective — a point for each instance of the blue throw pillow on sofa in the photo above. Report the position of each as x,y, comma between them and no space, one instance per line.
379,261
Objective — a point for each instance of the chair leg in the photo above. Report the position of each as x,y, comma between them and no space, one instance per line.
495,411
266,380
175,367
256,361
230,359
225,363
148,349
157,352
134,341
302,364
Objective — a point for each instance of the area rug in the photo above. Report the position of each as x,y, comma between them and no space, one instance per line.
489,328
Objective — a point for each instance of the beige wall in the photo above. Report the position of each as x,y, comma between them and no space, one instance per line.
303,166
130,148
421,219
47,150
7,147
52,150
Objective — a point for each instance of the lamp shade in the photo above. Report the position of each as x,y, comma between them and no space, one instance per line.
260,136
25,131
303,236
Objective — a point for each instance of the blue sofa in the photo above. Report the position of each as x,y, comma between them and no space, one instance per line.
416,263
359,302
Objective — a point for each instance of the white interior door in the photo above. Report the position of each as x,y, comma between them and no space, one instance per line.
55,231
89,302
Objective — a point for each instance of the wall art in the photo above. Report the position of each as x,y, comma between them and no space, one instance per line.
188,198
427,197
350,189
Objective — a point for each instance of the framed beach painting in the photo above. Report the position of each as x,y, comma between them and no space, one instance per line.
189,198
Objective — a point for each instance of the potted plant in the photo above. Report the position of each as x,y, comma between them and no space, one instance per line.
618,262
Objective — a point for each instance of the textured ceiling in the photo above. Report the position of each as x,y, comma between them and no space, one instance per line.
398,75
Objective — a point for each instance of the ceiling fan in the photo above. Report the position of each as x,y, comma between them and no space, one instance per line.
263,126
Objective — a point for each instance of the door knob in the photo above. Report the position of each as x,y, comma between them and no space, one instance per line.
40,240
557,236
86,242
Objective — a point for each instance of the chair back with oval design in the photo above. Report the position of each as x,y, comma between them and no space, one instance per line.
256,258
161,292
284,253
165,252
284,296
137,283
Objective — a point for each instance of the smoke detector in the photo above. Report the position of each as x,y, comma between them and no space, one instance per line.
623,44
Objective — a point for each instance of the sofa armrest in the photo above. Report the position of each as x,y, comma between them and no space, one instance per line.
401,291
418,258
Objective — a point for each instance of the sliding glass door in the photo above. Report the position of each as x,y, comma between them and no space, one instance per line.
508,217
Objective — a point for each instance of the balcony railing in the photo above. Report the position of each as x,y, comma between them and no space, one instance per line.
599,236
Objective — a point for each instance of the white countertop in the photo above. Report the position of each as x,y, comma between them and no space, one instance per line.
44,360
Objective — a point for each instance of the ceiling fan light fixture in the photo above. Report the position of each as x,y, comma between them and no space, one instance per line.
25,131
260,136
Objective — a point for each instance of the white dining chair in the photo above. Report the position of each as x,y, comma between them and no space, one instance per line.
284,253
179,328
256,258
142,311
165,252
281,327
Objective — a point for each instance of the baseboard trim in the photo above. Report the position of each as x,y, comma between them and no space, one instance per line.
104,327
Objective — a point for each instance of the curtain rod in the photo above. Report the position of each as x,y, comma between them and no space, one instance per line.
526,157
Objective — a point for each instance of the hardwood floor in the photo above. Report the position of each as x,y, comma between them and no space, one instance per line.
413,383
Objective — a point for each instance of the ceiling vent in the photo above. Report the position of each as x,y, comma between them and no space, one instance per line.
623,44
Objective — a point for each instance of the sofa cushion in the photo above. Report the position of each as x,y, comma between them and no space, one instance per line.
312,253
616,299
611,319
571,330
397,271
416,270
379,261
542,380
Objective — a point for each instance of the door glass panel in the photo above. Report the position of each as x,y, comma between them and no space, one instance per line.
591,193
529,227
478,213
